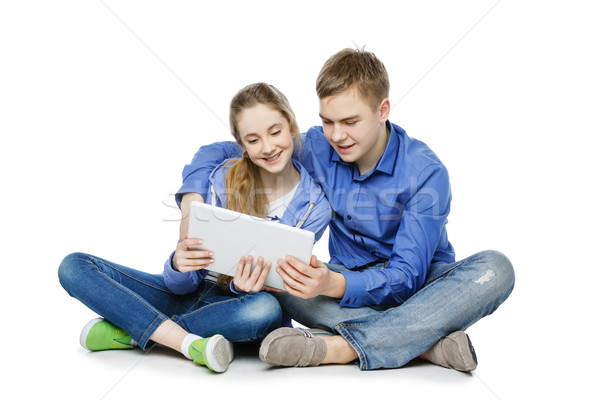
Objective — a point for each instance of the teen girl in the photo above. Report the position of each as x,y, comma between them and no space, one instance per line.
186,308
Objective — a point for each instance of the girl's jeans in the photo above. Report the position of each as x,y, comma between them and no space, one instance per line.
453,298
139,302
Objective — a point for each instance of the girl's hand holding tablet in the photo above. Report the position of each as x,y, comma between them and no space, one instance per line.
246,280
186,259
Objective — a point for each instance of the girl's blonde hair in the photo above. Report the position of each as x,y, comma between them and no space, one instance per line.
245,192
243,184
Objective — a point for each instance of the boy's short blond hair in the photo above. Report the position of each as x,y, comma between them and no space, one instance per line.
356,69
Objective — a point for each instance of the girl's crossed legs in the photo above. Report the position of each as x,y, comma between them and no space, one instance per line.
141,304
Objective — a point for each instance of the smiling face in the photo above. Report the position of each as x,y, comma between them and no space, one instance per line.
266,137
354,129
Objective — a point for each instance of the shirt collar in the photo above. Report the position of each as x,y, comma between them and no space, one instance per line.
388,160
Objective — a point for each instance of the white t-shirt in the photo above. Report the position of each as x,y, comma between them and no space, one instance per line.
277,207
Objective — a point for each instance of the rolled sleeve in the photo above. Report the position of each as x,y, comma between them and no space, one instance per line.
179,282
232,288
195,175
195,180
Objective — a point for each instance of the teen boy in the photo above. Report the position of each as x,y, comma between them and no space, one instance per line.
392,290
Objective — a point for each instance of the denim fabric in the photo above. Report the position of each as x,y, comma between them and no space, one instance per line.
455,296
139,302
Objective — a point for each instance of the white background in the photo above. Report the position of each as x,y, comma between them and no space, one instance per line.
103,103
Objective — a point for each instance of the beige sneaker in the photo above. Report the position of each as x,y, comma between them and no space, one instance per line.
453,351
293,347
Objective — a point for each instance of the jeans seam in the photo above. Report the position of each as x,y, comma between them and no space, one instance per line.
362,357
367,322
135,278
342,326
133,294
144,342
207,306
430,283
460,264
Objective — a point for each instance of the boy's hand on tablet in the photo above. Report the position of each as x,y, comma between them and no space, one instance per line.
307,281
246,280
186,259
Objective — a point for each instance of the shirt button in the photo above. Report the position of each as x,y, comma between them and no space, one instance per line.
349,217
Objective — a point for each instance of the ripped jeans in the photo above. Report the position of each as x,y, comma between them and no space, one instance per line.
454,297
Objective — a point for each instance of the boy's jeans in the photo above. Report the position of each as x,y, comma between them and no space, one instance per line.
453,298
139,302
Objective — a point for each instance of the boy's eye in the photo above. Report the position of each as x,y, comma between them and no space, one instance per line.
326,122
350,123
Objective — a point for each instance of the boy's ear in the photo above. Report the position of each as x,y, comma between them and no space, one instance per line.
384,110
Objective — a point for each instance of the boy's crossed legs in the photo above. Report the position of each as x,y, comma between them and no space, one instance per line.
454,297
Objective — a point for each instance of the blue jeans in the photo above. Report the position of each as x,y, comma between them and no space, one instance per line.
139,302
454,297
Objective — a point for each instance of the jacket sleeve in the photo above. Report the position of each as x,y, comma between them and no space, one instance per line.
195,175
181,282
425,214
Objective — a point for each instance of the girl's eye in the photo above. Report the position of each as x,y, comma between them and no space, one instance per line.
275,133
252,141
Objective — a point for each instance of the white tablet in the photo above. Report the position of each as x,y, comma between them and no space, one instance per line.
231,235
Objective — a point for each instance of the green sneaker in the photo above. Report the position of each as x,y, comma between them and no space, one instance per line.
213,352
99,334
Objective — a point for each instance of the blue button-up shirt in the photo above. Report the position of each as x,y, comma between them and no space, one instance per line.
394,214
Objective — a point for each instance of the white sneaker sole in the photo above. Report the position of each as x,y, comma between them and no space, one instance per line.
230,351
86,330
218,353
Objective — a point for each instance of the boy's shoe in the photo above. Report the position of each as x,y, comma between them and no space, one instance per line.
99,334
215,352
454,351
293,347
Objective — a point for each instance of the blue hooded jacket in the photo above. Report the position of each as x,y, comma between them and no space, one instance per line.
308,209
